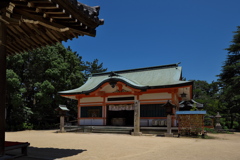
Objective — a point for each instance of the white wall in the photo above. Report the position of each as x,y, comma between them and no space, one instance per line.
91,99
152,122
155,96
94,122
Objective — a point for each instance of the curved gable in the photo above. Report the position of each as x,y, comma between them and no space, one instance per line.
167,76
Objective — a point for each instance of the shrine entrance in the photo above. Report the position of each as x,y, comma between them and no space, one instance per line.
119,117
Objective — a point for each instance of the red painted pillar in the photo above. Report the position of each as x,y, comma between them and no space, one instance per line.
3,39
79,112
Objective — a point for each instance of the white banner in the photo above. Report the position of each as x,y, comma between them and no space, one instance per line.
121,107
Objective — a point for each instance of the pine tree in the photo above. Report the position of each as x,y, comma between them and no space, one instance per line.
229,79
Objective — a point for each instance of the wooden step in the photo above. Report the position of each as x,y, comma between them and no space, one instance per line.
118,129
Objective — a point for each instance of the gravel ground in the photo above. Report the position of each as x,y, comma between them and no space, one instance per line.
49,145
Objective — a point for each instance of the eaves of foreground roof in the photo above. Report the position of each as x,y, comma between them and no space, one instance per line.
36,23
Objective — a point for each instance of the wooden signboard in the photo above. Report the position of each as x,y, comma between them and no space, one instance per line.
190,122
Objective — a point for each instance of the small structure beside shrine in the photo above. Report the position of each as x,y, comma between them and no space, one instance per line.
62,109
169,111
187,105
190,122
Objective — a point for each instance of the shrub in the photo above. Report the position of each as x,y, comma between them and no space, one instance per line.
210,130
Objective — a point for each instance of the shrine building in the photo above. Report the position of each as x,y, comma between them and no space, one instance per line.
107,99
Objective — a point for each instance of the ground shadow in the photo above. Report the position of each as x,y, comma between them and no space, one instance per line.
50,153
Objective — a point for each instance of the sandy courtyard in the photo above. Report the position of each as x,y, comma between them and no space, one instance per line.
92,146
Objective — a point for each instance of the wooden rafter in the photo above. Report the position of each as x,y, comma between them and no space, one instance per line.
35,23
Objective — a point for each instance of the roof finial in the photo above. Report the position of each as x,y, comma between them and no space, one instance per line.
113,74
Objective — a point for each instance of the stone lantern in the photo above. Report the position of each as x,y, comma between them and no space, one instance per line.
169,108
62,109
169,111
217,119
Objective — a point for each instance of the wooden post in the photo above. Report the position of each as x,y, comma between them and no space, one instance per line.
62,124
3,40
136,119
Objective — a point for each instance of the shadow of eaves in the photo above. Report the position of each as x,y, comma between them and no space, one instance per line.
51,153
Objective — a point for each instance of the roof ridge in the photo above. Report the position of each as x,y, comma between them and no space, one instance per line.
138,69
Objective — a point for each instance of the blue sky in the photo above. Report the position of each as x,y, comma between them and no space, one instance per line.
140,33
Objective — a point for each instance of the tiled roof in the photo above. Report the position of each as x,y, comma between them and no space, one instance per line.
166,76
190,112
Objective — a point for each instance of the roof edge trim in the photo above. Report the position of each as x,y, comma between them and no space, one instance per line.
143,88
103,82
138,69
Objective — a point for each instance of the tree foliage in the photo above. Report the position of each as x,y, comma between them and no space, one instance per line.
34,79
93,67
229,78
207,94
224,95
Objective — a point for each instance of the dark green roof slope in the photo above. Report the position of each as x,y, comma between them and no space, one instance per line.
165,76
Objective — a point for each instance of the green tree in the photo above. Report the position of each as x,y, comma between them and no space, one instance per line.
93,67
18,113
208,95
229,79
34,79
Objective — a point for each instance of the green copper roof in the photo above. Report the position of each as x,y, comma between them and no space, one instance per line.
141,78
